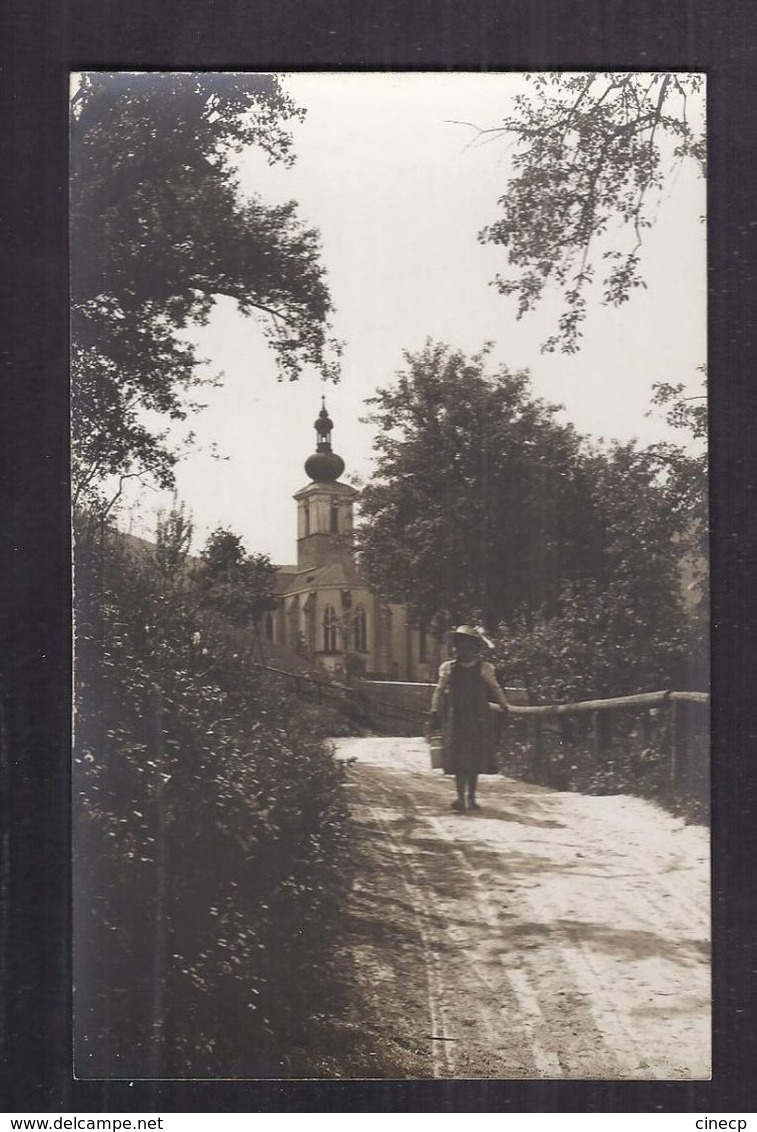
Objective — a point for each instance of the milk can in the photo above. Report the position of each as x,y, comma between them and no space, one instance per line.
436,747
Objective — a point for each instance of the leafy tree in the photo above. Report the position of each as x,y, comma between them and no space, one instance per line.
592,152
211,853
238,585
687,469
159,230
471,507
173,538
484,506
638,570
623,628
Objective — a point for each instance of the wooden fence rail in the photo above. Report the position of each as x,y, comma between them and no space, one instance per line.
400,718
679,724
668,713
642,699
677,718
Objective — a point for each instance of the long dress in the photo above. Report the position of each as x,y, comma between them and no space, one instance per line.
469,745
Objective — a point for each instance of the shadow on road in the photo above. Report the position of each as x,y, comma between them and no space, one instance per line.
491,812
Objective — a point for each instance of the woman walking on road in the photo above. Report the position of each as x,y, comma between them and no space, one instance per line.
461,705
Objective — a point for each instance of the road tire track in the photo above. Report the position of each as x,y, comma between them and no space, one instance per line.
523,942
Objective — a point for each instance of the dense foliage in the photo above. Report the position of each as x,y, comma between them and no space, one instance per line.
621,628
469,465
211,855
571,553
237,585
640,624
159,230
625,750
592,152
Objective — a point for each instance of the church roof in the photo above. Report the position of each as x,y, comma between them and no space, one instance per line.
336,488
284,575
339,574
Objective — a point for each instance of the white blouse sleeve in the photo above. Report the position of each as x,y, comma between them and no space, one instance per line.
441,687
490,679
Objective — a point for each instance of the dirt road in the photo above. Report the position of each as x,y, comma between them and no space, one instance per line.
549,935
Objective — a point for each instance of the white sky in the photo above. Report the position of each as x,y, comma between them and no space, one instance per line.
399,195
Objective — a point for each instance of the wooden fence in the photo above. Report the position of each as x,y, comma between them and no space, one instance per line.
667,713
359,702
662,737
672,725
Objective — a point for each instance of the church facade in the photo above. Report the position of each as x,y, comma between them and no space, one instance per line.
325,609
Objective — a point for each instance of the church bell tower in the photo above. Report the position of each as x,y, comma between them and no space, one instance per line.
324,505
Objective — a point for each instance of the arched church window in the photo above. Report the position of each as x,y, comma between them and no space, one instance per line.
361,630
329,629
306,516
334,523
269,626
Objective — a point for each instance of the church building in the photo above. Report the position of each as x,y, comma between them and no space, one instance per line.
325,608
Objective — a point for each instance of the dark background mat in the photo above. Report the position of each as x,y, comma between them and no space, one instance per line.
41,42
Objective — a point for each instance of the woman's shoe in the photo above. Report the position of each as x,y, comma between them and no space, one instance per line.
458,805
473,805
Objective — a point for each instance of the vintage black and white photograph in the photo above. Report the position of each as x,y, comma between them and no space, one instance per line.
391,749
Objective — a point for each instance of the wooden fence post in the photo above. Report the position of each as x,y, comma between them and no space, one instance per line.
678,740
674,739
596,734
539,761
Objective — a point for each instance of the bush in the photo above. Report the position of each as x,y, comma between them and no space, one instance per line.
630,755
211,839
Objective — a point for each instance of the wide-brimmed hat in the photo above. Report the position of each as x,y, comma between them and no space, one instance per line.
466,631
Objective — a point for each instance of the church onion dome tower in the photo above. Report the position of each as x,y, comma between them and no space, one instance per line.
324,466
324,505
